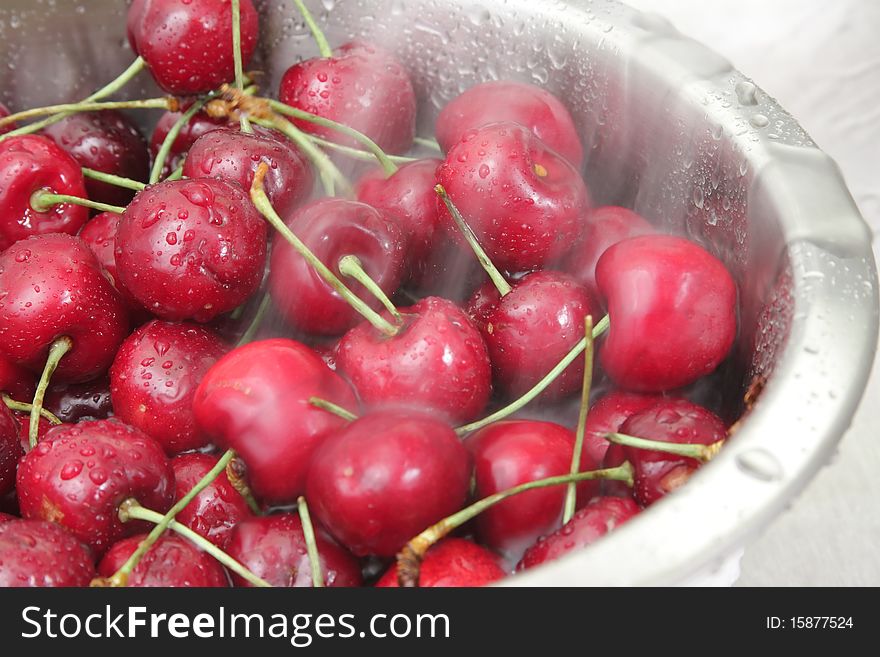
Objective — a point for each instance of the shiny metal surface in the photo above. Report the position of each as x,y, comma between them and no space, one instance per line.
671,129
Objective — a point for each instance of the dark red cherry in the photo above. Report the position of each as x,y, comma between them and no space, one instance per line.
10,449
452,562
188,44
191,249
516,102
4,112
522,199
78,475
28,164
600,516
15,380
384,478
154,378
52,286
105,141
437,361
6,517
40,554
214,511
234,155
672,307
197,126
72,402
333,228
170,562
255,400
274,548
99,234
607,414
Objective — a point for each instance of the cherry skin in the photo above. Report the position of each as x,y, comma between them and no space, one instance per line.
4,112
234,155
171,562
255,400
28,164
99,234
154,378
15,380
6,517
105,141
522,199
54,287
516,102
72,402
437,361
274,548
78,475
197,126
601,516
452,562
34,553
607,415
191,249
10,449
217,508
333,228
386,477
188,45
24,419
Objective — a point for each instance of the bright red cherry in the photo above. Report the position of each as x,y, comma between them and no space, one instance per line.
28,164
198,125
606,416
6,517
10,449
191,249
170,562
15,380
522,199
672,307
452,562
386,477
99,234
72,402
40,554
154,378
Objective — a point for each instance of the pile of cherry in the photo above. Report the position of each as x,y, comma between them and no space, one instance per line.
158,430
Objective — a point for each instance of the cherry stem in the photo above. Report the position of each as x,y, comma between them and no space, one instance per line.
254,326
498,279
74,108
330,407
702,453
571,493
43,201
24,407
57,350
236,54
428,142
311,545
261,201
350,265
239,484
541,385
410,557
317,34
171,137
177,174
358,154
110,179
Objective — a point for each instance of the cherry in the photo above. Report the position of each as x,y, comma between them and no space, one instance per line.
99,234
234,155
437,361
10,449
6,517
39,554
72,402
606,416
523,200
255,400
602,228
170,562
105,141
216,509
672,306
452,562
4,112
191,249
16,381
331,229
197,126
515,102
78,475
385,477
187,45
274,548
154,378
28,164
43,427
600,516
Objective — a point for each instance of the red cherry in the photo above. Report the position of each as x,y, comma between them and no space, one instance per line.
600,516
171,562
386,477
191,249
99,234
4,112
5,517
606,416
274,548
516,102
78,475
188,44
54,287
437,361
672,307
72,402
452,562
197,126
35,553
28,164
10,449
16,381
154,379
255,400
523,200
43,427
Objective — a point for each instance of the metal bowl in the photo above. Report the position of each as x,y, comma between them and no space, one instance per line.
670,129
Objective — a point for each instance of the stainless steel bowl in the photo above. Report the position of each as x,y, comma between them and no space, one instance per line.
670,129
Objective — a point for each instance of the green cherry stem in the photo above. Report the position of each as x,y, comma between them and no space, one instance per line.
171,137
236,54
24,407
351,267
428,142
74,108
177,174
311,545
541,385
57,350
410,557
330,407
357,153
317,34
571,493
43,201
702,453
254,326
109,178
